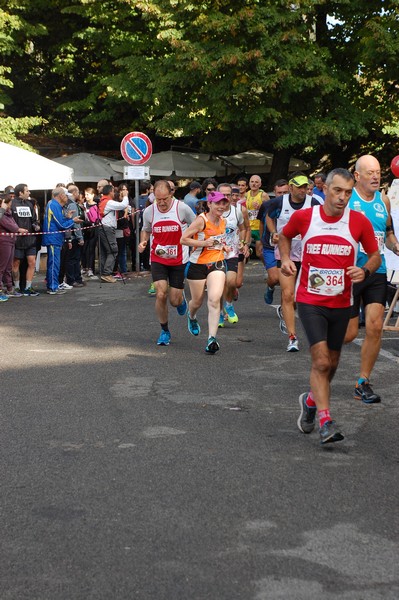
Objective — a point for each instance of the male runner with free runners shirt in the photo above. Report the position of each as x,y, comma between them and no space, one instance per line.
164,222
330,235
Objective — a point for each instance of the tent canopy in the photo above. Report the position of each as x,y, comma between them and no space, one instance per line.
166,164
21,166
88,167
250,161
258,161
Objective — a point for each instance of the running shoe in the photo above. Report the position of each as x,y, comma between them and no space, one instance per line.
221,320
365,393
231,315
13,294
293,344
117,276
182,308
269,295
90,273
56,292
30,292
65,286
282,325
164,338
212,346
193,326
307,417
330,433
3,298
152,290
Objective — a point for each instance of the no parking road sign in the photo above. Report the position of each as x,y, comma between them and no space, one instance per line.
136,148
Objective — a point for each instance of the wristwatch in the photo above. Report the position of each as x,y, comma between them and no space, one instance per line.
366,272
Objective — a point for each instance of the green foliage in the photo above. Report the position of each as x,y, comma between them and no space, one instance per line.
11,128
230,74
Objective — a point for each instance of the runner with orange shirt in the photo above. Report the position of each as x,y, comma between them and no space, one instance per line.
207,266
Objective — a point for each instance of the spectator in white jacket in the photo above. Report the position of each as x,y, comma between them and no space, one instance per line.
108,209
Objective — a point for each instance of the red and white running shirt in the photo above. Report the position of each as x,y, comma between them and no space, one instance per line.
166,231
329,247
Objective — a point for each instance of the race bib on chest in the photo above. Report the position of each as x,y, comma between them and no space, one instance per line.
253,214
380,239
219,241
326,282
23,211
166,251
231,237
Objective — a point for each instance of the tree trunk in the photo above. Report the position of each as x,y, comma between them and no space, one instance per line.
280,165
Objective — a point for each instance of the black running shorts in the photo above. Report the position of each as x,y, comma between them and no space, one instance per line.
371,290
323,324
232,264
174,274
201,271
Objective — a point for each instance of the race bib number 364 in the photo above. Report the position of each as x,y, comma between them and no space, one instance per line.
326,282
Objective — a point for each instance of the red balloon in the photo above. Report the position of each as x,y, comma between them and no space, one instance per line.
395,166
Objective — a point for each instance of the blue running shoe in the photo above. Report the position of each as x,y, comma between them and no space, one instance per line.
193,326
221,320
182,308
164,338
269,295
212,346
151,290
3,298
365,393
231,315
30,292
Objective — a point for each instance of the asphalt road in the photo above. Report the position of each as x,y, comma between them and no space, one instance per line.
161,473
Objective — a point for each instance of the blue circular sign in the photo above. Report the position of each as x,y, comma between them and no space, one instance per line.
136,148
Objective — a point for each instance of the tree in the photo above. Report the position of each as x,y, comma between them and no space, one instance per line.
10,128
306,76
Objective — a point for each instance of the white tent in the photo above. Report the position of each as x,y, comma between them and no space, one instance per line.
88,167
165,164
21,166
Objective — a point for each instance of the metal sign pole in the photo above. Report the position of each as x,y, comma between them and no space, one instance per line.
137,218
136,149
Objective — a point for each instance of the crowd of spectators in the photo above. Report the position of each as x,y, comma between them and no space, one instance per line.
87,233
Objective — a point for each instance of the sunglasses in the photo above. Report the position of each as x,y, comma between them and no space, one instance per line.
210,189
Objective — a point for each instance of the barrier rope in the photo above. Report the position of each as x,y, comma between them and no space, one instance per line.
93,226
